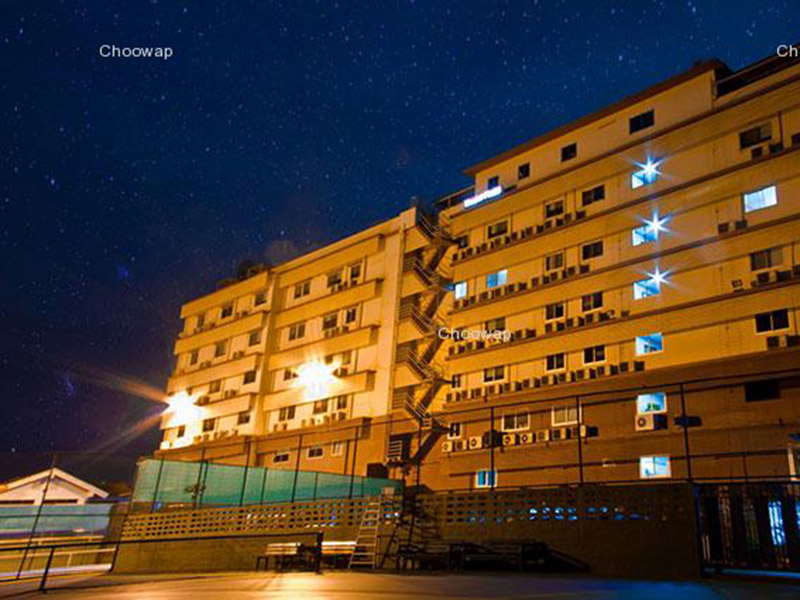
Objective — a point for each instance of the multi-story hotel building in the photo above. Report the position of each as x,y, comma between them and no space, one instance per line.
640,266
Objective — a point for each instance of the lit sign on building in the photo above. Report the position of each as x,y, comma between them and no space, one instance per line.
488,194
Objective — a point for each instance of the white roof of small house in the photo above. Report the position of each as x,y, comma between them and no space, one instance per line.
84,487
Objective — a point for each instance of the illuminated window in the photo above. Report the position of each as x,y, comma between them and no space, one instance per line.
302,289
764,259
655,402
555,362
485,478
776,523
763,198
554,261
593,195
563,416
649,344
460,290
646,288
280,457
554,311
654,467
594,354
254,337
569,152
497,229
227,311
493,374
553,209
454,431
642,121
524,171
315,452
647,174
593,250
516,422
772,321
592,301
249,377
499,278
755,135
644,235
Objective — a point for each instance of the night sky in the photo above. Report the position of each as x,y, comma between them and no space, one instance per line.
128,186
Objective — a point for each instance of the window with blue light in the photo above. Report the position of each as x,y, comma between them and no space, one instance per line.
776,523
460,290
644,235
649,344
655,402
763,198
646,288
486,478
647,174
497,279
654,467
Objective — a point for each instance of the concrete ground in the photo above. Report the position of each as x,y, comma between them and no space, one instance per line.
369,586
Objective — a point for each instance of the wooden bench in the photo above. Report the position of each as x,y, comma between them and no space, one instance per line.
337,552
288,554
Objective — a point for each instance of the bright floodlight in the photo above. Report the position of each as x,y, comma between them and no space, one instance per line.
315,377
648,173
657,277
656,223
181,407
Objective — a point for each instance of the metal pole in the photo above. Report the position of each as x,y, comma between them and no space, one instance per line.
38,515
43,582
580,439
297,464
353,469
263,483
316,483
686,435
158,483
492,477
244,479
198,500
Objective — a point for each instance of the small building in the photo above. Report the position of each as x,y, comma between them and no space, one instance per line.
63,488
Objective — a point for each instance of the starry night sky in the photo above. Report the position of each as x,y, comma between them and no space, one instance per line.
128,186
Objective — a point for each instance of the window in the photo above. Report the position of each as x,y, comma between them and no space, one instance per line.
772,321
569,152
646,288
554,311
763,198
764,259
193,356
302,289
321,407
330,320
289,374
227,311
219,349
337,448
260,298
555,362
493,374
462,241
254,337
335,278
553,209
209,425
280,457
355,271
649,344
755,135
315,452
593,250
215,386
647,174
249,377
524,171
497,324
554,261
655,402
454,431
777,533
594,354
457,381
756,391
644,235
297,331
181,431
565,415
497,229
341,402
201,321
642,121
499,278
486,478
350,314
492,182
460,290
286,413
592,301
244,418
593,195
516,422
654,467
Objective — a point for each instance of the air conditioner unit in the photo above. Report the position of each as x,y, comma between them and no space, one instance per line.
781,341
458,445
561,434
649,422
525,438
475,442
447,446
510,439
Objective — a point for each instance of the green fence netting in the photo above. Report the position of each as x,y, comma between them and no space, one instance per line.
55,519
162,482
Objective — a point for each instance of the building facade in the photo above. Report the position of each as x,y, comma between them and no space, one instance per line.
613,301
